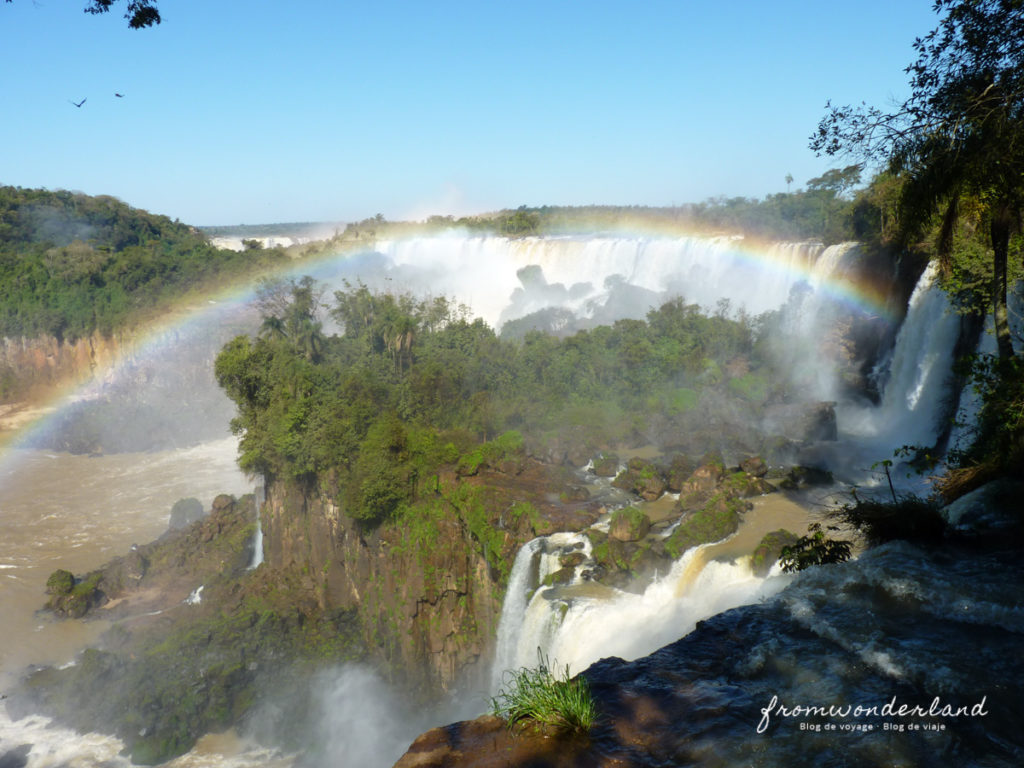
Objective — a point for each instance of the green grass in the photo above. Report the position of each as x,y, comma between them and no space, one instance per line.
546,698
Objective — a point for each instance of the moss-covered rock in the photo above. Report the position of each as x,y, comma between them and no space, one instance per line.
644,478
72,599
719,518
769,550
60,582
629,524
606,464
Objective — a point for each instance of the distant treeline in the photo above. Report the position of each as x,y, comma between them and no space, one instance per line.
827,210
74,264
283,229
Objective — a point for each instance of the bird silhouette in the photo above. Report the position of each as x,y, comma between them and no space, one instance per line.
119,95
78,104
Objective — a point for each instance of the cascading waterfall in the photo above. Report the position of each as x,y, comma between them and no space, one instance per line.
917,378
576,626
481,271
579,623
522,629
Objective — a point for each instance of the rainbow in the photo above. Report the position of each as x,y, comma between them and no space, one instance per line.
483,258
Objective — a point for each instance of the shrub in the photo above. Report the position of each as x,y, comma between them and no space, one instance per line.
909,518
814,549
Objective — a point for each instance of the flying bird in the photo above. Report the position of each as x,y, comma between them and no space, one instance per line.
119,95
78,104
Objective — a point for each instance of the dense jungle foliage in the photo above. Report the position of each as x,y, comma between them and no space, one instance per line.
74,264
410,385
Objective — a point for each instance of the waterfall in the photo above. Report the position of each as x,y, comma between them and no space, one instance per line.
257,547
582,622
522,628
916,388
481,271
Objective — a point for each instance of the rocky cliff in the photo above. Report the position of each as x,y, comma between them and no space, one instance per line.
428,586
43,362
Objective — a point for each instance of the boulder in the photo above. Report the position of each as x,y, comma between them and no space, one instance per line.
643,478
606,465
679,471
185,512
629,524
223,501
754,466
769,550
704,479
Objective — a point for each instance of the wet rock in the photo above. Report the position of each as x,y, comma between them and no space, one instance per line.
769,550
560,577
629,524
754,466
185,512
679,471
16,758
606,465
643,478
704,479
576,493
72,600
804,477
990,511
572,559
743,486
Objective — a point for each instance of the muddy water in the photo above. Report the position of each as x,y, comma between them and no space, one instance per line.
76,513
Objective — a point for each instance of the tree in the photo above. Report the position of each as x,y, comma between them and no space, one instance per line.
960,133
140,13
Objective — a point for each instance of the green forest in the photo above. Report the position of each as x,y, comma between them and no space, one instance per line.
410,385
74,264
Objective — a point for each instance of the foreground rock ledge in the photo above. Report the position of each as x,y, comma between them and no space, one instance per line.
700,700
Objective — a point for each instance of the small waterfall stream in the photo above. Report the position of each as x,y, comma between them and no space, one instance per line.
259,496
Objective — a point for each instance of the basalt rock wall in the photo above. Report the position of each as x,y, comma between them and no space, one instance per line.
48,361
427,592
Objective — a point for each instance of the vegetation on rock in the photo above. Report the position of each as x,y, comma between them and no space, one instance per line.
545,697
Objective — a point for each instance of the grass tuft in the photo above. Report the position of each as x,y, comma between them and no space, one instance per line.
546,698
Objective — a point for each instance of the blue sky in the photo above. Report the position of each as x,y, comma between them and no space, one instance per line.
257,111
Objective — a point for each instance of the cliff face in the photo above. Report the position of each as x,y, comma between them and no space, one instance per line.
428,587
432,613
47,361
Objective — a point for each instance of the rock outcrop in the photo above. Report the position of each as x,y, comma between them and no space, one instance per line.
427,587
